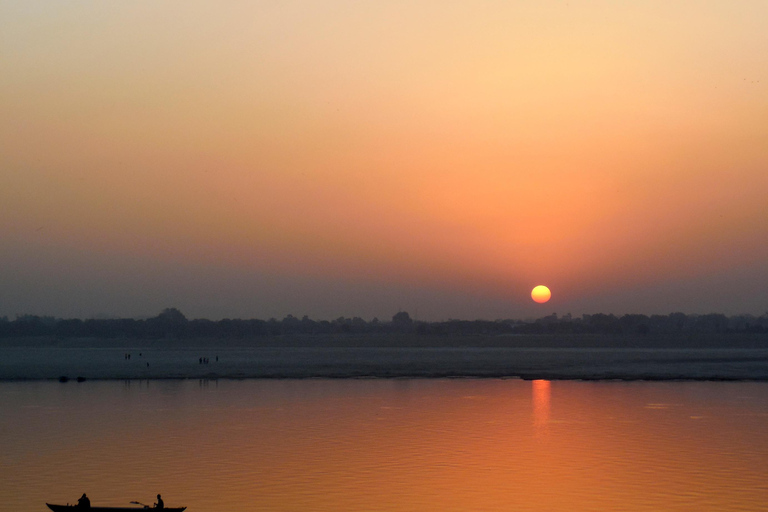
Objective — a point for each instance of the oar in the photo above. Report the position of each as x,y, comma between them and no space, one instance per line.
140,503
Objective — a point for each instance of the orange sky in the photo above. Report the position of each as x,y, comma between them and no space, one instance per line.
356,158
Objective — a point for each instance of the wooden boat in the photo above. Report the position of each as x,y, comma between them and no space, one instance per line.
76,508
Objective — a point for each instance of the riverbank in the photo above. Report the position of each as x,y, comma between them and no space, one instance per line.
41,359
411,340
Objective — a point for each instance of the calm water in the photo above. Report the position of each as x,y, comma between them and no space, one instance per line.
386,445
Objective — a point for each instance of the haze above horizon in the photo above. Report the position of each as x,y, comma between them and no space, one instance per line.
339,158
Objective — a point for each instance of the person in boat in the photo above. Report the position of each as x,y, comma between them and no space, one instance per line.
159,503
84,502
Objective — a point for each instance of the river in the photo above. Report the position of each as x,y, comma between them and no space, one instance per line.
386,444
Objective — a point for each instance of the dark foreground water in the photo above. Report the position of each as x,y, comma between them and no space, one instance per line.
386,445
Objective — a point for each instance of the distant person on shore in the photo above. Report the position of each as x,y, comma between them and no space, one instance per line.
84,502
159,503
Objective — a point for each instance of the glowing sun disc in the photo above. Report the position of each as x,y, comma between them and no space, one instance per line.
541,294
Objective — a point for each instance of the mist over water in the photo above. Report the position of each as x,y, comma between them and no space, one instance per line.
394,445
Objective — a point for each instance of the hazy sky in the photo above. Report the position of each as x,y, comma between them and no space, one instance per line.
356,158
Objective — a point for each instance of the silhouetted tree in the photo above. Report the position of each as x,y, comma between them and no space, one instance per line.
169,323
402,322
402,318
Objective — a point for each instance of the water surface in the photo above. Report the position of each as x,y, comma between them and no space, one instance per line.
386,445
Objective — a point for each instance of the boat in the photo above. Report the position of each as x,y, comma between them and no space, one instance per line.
77,508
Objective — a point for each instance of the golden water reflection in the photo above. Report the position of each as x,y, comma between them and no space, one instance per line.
541,393
386,445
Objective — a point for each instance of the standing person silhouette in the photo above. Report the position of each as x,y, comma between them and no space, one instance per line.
159,503
84,502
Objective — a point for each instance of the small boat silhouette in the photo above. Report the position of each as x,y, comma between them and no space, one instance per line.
77,508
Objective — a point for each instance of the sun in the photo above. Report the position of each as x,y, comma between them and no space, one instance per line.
541,294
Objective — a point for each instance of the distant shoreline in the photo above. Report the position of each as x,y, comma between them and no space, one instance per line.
726,357
412,340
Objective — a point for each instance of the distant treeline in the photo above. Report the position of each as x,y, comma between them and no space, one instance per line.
171,323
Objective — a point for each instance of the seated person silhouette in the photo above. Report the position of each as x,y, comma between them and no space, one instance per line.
84,502
159,503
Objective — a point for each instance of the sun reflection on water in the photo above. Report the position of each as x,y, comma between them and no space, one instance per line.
541,397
